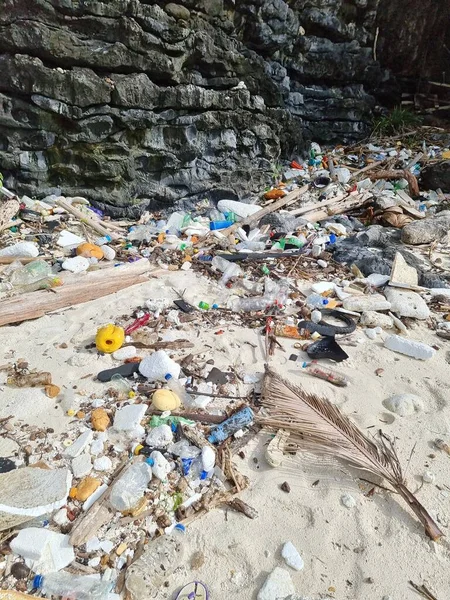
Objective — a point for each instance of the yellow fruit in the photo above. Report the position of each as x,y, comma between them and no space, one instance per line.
90,251
165,400
109,338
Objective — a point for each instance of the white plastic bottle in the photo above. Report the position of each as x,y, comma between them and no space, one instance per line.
163,555
75,587
208,461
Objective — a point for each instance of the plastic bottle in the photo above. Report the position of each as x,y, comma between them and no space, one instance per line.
179,389
184,449
215,225
226,429
75,587
130,488
102,241
250,304
149,572
30,273
204,305
316,301
325,373
229,269
208,461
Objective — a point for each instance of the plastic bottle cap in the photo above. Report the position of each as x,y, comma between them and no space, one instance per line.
180,527
203,475
37,581
168,376
150,461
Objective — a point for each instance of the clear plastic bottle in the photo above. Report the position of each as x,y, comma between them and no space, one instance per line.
184,449
30,273
326,373
250,304
147,574
102,241
316,301
73,587
176,386
229,269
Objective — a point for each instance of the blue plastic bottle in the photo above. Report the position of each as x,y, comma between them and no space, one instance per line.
226,429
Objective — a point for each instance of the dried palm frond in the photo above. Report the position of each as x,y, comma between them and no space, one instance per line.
317,426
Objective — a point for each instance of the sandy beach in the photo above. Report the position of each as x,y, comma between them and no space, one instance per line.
369,551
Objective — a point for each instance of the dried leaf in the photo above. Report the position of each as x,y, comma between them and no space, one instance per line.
319,427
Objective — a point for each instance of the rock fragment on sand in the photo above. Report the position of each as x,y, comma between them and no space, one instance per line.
404,404
371,318
427,230
79,444
278,586
292,557
81,466
428,477
407,304
348,501
402,272
365,303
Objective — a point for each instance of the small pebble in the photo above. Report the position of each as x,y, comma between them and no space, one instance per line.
348,501
322,263
102,464
285,487
292,557
316,316
20,570
428,477
370,333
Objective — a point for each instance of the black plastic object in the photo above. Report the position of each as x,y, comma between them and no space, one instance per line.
327,348
6,465
184,306
239,256
321,182
125,370
325,328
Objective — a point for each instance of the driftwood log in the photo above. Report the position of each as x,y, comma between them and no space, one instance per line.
399,174
76,291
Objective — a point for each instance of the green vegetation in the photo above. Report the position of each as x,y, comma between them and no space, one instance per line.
399,120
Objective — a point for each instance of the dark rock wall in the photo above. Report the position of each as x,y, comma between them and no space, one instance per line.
134,103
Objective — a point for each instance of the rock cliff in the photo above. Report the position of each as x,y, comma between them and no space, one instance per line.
133,103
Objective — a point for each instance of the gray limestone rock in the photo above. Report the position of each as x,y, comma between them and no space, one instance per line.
427,230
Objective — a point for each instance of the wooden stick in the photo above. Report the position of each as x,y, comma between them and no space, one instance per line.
86,219
80,289
399,174
338,209
311,207
99,513
281,203
373,165
7,260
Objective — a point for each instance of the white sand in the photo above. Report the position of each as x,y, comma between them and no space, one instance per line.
379,538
